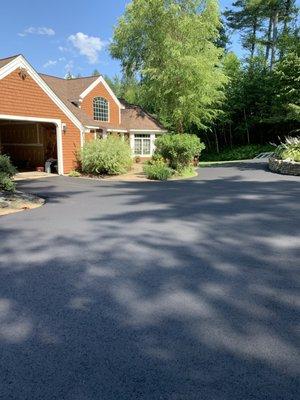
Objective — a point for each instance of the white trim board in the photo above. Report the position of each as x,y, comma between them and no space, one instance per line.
56,122
117,130
147,130
91,127
21,62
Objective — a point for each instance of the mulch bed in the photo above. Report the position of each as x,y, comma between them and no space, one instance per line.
11,202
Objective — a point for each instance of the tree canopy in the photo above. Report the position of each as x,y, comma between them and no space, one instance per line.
177,64
171,46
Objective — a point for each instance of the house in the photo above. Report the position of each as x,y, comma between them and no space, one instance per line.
44,117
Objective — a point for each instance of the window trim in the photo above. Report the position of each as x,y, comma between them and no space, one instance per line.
108,109
140,136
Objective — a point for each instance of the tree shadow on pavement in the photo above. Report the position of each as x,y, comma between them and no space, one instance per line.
164,291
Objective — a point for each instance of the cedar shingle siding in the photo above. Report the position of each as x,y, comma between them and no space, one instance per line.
87,106
21,96
25,98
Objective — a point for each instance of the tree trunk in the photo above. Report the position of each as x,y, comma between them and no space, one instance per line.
288,6
287,11
217,141
268,40
274,38
225,138
230,135
253,44
180,126
247,128
210,147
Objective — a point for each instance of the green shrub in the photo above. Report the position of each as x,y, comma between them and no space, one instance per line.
187,172
6,166
157,170
74,174
6,183
238,153
110,156
7,171
289,150
178,149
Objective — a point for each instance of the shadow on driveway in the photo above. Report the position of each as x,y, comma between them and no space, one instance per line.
155,291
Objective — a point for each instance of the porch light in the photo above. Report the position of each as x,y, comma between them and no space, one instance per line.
64,128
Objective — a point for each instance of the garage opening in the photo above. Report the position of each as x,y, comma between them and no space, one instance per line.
29,145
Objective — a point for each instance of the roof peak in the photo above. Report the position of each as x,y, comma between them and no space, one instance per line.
13,56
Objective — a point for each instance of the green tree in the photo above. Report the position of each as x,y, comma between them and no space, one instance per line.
170,44
233,104
287,88
127,88
263,22
96,73
245,17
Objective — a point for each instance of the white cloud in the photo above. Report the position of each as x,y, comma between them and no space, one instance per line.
42,30
63,49
50,63
89,46
69,66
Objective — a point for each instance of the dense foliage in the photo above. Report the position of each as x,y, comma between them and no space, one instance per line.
111,156
174,155
158,169
238,153
179,149
263,92
289,149
7,171
179,67
175,57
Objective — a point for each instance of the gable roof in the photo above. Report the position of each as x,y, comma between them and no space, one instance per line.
67,94
136,118
96,82
10,64
70,91
4,61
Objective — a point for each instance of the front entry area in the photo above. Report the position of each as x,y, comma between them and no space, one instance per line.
29,144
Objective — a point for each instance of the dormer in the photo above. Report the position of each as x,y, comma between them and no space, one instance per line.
100,103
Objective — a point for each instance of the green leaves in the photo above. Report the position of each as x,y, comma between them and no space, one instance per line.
178,149
111,156
171,45
7,171
157,170
287,84
289,150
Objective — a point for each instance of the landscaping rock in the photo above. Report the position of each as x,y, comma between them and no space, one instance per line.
284,167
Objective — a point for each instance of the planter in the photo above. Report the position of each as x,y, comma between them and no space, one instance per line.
284,167
40,169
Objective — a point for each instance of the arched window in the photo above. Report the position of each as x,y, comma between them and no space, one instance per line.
100,109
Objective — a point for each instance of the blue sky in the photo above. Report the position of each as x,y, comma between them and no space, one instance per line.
58,36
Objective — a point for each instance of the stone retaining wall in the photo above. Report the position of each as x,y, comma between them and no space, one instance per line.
284,167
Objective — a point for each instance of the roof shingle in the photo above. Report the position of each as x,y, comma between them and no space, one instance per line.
4,61
69,91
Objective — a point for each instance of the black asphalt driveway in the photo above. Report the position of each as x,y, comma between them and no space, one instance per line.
182,290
